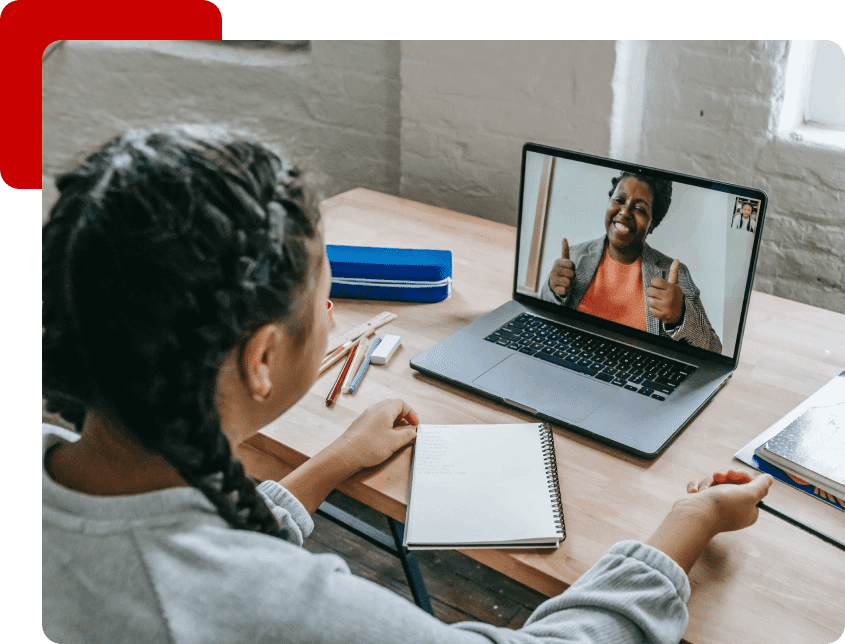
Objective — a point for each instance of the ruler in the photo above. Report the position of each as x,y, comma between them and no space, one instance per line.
367,327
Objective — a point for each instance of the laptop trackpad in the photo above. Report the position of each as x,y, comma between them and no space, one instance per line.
551,390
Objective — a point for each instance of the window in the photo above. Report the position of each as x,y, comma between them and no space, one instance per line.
813,108
826,100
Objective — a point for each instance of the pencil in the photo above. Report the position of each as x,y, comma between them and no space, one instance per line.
363,345
363,369
335,355
799,524
338,353
340,377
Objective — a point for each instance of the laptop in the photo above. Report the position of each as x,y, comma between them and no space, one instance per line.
630,295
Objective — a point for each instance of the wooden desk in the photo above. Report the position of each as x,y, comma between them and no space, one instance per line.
768,583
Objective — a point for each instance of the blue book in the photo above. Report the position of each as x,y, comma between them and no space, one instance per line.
800,484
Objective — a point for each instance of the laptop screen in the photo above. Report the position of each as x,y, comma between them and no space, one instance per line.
663,253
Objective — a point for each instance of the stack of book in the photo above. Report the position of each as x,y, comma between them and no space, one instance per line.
809,452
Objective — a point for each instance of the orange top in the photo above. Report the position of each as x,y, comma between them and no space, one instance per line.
616,293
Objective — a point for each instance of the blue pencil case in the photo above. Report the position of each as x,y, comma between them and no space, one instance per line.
402,274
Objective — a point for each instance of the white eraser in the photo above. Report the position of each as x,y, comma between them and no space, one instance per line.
386,348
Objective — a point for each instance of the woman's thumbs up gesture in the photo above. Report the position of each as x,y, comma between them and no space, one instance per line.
665,297
563,272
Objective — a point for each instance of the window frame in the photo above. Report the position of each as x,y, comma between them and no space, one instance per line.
792,122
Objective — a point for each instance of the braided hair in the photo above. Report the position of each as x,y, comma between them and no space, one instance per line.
165,251
661,192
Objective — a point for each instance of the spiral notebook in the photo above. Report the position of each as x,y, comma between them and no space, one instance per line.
484,486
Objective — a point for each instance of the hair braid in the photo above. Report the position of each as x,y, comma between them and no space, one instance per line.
165,251
195,445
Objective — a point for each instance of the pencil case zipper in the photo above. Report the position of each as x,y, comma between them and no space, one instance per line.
361,281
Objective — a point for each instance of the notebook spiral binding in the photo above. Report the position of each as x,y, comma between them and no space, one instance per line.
550,459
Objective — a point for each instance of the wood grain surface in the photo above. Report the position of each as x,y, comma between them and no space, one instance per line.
768,583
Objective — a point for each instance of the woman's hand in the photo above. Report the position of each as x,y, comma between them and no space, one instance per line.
377,433
563,272
729,499
665,297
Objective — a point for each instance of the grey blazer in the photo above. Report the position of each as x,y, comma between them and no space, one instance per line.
694,329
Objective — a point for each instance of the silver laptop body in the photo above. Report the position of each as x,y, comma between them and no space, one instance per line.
568,194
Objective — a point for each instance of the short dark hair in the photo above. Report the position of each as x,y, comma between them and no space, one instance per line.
661,192
165,251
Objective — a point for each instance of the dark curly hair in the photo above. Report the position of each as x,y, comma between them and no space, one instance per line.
165,251
661,192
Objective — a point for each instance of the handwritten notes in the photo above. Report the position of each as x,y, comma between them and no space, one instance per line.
438,456
474,485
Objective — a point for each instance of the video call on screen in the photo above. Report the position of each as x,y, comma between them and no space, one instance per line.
623,235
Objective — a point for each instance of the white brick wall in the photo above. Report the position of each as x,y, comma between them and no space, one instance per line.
467,108
335,107
444,123
709,108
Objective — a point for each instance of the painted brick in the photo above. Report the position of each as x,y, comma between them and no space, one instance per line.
467,108
804,200
735,84
374,57
809,162
752,77
452,112
368,89
329,140
744,49
483,192
444,122
815,294
720,107
338,113
495,150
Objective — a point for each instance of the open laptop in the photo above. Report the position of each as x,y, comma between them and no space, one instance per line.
606,334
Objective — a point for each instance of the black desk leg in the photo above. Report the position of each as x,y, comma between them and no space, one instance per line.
409,565
381,540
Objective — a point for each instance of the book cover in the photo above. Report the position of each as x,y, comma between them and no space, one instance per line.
798,483
812,447
824,405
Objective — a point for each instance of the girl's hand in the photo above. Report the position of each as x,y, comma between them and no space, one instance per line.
708,509
376,434
728,499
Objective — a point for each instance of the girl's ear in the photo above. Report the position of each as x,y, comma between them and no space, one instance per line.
259,358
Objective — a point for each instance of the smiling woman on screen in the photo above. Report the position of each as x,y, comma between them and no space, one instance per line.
607,277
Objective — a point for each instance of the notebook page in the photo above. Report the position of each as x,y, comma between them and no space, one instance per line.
477,483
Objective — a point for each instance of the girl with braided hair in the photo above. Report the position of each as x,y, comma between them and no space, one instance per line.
184,282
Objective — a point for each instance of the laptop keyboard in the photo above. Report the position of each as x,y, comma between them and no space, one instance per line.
611,362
